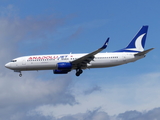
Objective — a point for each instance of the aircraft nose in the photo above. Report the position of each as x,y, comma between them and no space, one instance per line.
7,65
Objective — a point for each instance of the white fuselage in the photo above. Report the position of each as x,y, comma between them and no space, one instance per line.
64,63
49,62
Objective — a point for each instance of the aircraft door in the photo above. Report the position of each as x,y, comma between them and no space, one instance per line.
24,62
124,58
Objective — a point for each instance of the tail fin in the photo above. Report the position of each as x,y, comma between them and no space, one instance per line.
138,42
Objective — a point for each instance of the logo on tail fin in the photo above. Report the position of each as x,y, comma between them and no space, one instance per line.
138,44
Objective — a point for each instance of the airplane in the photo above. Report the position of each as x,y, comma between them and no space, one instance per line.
64,63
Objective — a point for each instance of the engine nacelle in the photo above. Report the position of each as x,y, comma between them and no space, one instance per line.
64,66
60,71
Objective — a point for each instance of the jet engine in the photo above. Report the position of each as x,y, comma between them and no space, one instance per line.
64,66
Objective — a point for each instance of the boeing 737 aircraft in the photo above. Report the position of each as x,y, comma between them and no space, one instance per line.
64,63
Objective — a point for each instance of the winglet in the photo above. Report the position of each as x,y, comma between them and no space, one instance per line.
105,44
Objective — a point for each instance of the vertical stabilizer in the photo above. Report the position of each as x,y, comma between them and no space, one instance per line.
138,42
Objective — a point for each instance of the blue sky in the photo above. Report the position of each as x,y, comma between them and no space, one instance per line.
55,27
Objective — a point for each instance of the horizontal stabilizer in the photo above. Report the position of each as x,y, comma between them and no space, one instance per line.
144,52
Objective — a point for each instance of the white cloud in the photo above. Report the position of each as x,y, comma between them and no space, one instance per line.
93,89
141,94
25,94
98,114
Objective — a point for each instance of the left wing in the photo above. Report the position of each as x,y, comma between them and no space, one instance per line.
82,61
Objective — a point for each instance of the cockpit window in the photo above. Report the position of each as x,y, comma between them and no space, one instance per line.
14,61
